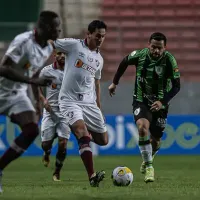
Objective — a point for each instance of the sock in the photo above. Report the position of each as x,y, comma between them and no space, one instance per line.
60,157
85,152
146,151
20,144
155,151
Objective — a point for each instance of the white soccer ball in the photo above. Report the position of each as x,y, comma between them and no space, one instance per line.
122,176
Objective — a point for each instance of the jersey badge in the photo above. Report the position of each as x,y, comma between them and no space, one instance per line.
158,70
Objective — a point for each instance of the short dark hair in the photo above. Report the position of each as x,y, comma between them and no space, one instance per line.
158,36
46,17
96,24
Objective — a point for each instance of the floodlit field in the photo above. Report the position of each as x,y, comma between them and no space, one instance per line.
177,177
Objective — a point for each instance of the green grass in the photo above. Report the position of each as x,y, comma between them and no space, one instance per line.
177,177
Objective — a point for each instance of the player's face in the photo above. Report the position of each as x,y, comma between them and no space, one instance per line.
156,48
54,29
60,58
97,37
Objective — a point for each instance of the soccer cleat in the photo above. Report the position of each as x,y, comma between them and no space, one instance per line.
56,177
149,175
1,190
96,178
143,168
46,160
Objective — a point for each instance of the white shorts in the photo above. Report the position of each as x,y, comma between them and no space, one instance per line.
54,126
90,114
15,104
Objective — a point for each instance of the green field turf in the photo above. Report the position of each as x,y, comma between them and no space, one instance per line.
177,177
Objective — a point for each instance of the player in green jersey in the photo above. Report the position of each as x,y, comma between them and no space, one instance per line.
157,82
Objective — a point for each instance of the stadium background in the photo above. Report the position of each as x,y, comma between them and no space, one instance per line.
130,23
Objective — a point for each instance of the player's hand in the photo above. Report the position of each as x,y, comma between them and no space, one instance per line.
156,106
112,89
41,81
47,106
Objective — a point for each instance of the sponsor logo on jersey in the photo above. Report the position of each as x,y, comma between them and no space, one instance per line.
27,65
79,64
53,86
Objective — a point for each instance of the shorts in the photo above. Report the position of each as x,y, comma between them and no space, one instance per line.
15,103
52,127
157,120
90,114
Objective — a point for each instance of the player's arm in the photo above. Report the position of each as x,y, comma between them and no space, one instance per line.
46,105
174,75
98,92
131,59
13,56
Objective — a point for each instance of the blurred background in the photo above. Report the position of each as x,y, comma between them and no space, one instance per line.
130,24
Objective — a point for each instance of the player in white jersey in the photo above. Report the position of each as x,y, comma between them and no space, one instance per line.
27,49
53,123
79,98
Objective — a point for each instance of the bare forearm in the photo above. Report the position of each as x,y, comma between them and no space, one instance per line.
13,75
98,94
36,92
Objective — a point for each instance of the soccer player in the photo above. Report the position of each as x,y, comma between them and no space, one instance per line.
27,49
157,82
79,97
53,123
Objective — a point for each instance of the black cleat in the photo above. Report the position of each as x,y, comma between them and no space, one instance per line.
96,178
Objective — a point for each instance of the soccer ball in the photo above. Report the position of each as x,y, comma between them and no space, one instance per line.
122,176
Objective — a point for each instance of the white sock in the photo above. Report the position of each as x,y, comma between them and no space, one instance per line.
146,152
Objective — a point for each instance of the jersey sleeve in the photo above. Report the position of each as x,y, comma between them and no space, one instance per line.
133,57
98,72
45,73
65,45
16,49
173,72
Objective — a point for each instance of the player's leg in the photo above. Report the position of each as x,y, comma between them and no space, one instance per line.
155,143
48,134
63,132
47,141
23,114
143,118
28,123
78,127
156,129
60,157
95,124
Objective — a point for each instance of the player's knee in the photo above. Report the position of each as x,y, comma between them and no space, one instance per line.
84,142
105,140
143,130
62,143
81,132
46,145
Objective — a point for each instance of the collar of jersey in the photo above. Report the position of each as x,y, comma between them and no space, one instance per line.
86,45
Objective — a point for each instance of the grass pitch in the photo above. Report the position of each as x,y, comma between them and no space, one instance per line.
177,177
